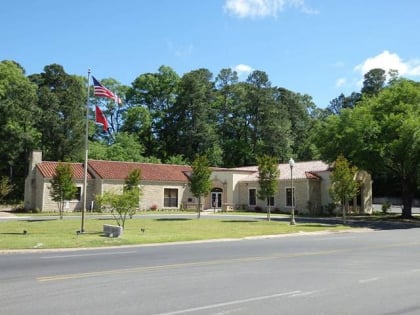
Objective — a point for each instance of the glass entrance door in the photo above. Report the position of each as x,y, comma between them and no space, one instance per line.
216,199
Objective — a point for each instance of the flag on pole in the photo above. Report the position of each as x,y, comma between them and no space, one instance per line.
117,99
100,118
100,90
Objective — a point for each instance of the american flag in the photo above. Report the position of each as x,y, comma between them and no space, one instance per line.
100,90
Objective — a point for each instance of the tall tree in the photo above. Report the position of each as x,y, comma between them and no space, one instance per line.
62,100
374,82
380,135
268,118
18,119
299,109
62,186
226,83
268,174
341,102
199,180
192,118
344,187
157,93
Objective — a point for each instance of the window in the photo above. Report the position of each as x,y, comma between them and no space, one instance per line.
252,194
170,198
78,194
270,201
289,196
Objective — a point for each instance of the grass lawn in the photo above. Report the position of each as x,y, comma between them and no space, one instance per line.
62,233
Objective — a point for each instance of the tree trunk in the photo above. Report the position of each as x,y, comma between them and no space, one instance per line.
407,199
199,208
343,210
268,211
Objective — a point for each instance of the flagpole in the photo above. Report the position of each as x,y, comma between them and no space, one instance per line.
82,228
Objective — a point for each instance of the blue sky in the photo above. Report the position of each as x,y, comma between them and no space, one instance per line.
316,47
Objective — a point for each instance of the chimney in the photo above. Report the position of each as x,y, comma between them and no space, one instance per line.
36,158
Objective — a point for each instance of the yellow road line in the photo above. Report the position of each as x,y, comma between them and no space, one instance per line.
211,262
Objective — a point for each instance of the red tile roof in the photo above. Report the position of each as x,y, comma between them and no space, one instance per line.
47,169
149,171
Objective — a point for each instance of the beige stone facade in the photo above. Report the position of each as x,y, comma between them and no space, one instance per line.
166,187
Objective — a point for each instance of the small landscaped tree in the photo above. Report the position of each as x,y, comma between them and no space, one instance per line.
199,181
125,204
62,186
268,174
343,184
5,187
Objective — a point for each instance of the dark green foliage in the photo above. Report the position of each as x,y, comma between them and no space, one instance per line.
18,120
62,102
380,135
192,119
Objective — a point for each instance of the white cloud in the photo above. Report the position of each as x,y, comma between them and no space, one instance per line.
263,8
340,82
390,61
242,69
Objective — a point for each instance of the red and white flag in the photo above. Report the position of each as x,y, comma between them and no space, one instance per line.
100,118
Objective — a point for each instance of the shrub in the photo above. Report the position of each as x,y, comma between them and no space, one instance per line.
258,209
385,207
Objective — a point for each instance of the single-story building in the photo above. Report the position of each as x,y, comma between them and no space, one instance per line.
165,186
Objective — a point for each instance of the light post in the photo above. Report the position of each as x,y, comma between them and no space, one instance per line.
291,164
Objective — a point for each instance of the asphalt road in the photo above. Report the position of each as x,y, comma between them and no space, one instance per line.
340,273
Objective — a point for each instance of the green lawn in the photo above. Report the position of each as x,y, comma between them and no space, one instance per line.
62,233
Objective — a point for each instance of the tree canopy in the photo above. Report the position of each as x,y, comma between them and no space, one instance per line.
381,134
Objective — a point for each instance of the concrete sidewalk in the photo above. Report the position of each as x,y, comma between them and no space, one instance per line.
6,214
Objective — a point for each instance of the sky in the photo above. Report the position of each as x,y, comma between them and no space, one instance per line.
317,47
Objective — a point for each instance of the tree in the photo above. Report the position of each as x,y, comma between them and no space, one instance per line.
380,135
192,119
62,186
299,122
62,102
268,121
374,82
156,93
5,187
341,102
124,148
199,181
268,173
131,187
343,184
18,120
123,204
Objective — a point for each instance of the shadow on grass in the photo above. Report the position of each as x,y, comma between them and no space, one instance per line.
173,219
239,221
14,233
41,220
359,222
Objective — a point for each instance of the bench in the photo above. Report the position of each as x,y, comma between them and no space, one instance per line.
113,230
